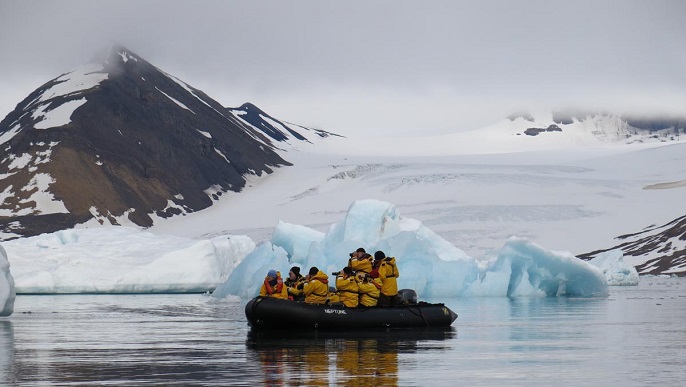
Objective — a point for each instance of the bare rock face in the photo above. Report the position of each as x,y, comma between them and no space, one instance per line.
121,141
536,131
663,248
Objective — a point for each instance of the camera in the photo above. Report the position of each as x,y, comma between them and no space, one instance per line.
352,254
335,273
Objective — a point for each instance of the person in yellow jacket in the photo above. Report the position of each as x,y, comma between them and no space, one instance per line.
273,286
388,274
348,290
294,279
360,261
370,289
316,287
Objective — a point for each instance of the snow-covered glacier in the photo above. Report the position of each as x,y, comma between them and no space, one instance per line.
427,263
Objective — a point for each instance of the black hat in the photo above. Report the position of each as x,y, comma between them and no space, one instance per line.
314,270
295,270
348,270
360,250
379,255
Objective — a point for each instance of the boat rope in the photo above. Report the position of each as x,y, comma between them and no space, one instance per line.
254,304
420,314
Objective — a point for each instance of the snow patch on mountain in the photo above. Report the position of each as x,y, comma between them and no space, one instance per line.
222,155
50,115
208,135
59,116
30,159
125,56
108,218
10,133
192,92
19,162
81,79
45,202
175,100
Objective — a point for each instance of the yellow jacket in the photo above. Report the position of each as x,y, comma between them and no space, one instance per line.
369,292
348,291
388,274
361,264
317,289
275,289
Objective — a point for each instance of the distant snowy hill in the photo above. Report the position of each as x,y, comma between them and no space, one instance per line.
119,141
544,131
563,130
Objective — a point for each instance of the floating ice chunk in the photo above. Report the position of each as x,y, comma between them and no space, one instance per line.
523,268
122,260
616,271
7,291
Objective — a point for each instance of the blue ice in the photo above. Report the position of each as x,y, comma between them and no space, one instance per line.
428,263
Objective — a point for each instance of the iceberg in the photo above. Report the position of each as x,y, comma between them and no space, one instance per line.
523,268
7,289
428,263
118,259
616,271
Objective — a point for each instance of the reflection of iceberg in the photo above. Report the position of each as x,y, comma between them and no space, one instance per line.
427,262
6,350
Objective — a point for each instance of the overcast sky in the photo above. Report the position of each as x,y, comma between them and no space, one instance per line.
350,66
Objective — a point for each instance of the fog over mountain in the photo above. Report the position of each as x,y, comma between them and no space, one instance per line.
360,66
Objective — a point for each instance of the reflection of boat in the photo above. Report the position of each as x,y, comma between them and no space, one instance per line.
271,313
357,357
276,337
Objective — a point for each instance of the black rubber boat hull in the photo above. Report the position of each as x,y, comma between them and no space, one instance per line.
272,313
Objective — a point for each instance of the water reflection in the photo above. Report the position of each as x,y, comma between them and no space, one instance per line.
540,329
636,337
6,349
359,358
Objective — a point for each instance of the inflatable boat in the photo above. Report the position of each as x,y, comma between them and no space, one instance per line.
272,313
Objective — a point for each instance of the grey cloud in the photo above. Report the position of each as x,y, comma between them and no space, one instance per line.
298,56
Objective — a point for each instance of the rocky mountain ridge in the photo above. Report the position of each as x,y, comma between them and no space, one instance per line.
662,249
122,142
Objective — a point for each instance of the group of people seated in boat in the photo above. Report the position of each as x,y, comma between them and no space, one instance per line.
366,281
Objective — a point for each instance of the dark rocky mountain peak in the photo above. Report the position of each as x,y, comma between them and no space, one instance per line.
120,141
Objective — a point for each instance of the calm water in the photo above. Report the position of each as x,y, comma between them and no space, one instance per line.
635,337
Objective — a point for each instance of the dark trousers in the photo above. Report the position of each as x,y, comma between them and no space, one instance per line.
385,300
